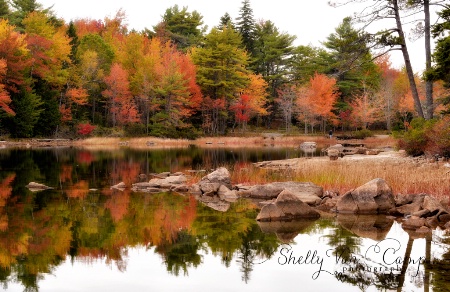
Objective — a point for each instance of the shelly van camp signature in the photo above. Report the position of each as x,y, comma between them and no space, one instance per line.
383,257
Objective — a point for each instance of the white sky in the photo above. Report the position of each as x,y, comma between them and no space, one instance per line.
311,21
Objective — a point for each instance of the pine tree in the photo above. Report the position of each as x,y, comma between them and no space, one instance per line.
221,74
181,27
74,42
21,8
351,60
4,9
245,25
226,21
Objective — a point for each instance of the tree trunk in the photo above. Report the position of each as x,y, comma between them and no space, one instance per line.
408,66
406,257
428,84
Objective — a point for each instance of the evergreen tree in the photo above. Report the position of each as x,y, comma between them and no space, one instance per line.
4,9
225,20
245,24
351,61
221,74
308,60
181,27
441,69
21,8
74,42
274,51
28,107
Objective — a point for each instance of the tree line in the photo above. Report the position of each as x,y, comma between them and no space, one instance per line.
177,79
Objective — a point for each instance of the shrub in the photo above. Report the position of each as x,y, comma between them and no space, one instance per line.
416,139
362,134
85,129
135,130
439,138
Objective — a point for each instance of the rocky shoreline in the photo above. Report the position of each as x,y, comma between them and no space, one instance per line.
291,201
284,203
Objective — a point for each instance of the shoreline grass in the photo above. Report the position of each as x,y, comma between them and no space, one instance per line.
404,176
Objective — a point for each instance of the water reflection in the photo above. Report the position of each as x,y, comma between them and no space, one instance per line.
83,220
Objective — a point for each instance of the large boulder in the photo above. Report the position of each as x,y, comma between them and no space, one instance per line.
309,193
374,197
211,183
287,206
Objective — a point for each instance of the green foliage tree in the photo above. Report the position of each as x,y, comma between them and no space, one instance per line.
183,28
74,41
28,107
306,61
441,69
21,8
225,20
4,9
274,51
245,25
351,61
392,39
95,43
221,74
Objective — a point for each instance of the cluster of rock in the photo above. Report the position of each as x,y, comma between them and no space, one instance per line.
288,201
339,150
165,181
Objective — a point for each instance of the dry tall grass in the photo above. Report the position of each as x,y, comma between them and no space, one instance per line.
257,141
403,176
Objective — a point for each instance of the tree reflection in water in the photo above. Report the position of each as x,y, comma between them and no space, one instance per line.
82,219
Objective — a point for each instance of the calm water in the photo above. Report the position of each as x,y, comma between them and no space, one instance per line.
83,236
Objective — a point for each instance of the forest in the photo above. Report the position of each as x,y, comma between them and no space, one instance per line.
179,79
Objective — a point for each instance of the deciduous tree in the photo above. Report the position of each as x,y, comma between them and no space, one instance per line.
120,100
5,99
286,103
322,93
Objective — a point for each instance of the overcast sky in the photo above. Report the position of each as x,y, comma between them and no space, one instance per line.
310,21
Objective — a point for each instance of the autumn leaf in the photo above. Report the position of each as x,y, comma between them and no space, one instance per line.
5,99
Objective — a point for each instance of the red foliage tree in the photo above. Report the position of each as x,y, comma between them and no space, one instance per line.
120,100
242,109
5,99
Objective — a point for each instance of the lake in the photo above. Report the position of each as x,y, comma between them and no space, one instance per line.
84,236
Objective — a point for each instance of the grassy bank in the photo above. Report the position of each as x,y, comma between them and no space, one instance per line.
405,176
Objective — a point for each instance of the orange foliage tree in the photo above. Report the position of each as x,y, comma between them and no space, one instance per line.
5,99
364,109
50,48
320,94
121,103
14,52
387,98
252,101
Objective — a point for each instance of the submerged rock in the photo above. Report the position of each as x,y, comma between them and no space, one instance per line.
36,187
120,186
